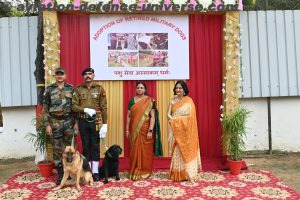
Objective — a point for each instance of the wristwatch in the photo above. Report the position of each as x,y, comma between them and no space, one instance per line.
150,130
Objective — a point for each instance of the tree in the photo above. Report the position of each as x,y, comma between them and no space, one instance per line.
271,5
8,8
39,72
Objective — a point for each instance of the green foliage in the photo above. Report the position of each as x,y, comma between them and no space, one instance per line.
249,2
40,140
271,5
8,8
234,131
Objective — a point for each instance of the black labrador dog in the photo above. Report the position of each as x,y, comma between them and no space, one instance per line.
110,165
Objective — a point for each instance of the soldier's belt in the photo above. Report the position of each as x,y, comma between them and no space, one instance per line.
61,117
88,118
97,118
83,116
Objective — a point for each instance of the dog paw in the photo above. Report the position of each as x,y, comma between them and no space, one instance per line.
117,178
105,181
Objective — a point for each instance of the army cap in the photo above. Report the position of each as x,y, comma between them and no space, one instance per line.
60,69
87,70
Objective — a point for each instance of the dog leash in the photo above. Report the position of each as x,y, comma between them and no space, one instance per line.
103,140
75,132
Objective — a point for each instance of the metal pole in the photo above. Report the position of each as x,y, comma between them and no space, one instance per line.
269,125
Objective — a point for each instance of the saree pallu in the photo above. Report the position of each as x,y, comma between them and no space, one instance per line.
141,148
183,140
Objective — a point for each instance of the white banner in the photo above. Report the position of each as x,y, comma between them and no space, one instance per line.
139,47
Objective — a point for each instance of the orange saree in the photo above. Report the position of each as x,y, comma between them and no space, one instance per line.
183,140
141,148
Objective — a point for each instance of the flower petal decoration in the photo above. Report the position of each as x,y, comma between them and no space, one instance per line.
63,2
205,3
129,2
154,1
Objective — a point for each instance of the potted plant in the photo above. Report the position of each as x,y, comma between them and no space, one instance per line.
40,141
234,131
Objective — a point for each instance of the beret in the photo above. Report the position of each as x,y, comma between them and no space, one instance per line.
88,69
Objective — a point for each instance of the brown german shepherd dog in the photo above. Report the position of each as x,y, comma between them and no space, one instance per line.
77,167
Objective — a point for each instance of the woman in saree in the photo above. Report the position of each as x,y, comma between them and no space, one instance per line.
183,135
139,131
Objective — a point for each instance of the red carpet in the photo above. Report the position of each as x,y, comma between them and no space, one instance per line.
208,164
250,185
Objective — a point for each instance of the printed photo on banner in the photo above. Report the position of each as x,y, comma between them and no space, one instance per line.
139,47
122,59
122,41
153,58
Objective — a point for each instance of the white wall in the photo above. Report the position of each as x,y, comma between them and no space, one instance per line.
285,119
17,123
286,123
285,127
257,125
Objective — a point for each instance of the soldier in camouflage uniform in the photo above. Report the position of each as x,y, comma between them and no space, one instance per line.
60,122
1,120
89,101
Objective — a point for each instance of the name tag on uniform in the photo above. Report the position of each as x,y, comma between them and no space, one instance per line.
95,95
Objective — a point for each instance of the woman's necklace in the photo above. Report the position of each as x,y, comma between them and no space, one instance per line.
179,98
139,97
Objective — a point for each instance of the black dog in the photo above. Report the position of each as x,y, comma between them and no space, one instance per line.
110,165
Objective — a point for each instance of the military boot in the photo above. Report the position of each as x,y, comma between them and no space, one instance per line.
60,173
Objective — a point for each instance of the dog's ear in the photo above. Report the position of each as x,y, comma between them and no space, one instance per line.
63,148
64,155
75,145
119,150
77,153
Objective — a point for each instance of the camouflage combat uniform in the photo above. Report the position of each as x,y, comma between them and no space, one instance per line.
58,110
94,98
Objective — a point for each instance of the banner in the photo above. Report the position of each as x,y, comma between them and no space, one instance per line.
139,47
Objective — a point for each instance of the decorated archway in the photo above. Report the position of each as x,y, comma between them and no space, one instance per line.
213,62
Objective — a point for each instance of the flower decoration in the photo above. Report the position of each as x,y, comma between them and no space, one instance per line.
205,3
96,1
63,2
154,1
229,2
180,2
129,2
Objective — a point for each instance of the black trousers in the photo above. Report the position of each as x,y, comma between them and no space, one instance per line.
90,140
